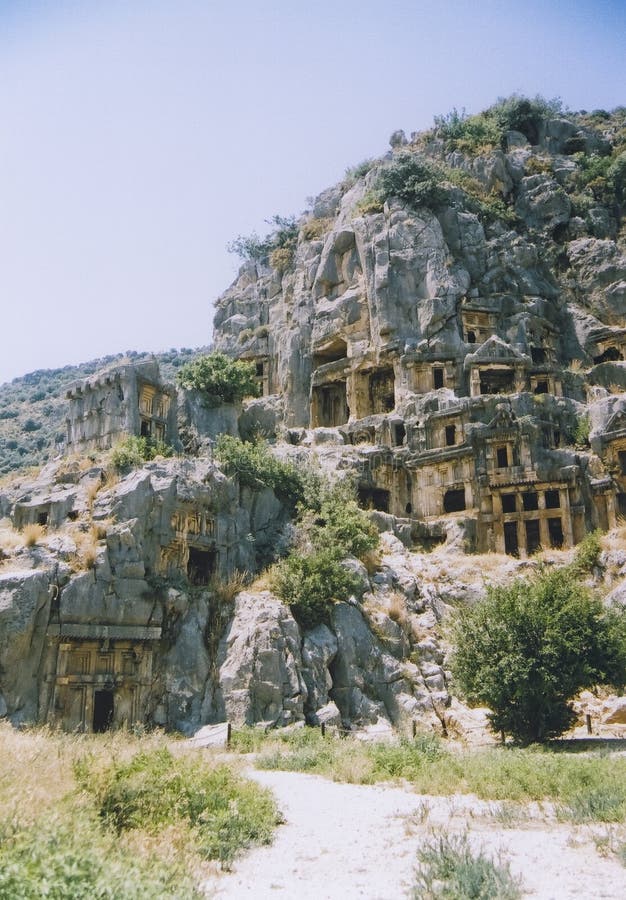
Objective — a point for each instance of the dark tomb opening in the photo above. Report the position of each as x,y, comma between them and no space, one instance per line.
502,457
553,500
542,387
438,378
373,498
533,541
454,500
399,434
42,518
555,530
201,565
611,354
508,503
497,381
450,435
621,504
511,545
471,337
538,355
103,707
622,461
530,500
145,428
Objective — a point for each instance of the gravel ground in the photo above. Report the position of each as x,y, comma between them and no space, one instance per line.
344,841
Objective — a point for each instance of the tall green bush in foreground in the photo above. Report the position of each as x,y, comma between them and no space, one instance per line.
527,649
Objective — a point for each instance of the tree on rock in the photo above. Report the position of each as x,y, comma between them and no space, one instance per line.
528,648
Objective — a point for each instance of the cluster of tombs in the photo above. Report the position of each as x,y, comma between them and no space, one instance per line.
481,427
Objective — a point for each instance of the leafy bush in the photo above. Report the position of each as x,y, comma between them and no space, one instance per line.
257,249
527,649
337,521
414,181
469,134
219,378
449,868
600,803
256,467
485,131
155,790
311,584
134,451
582,431
587,553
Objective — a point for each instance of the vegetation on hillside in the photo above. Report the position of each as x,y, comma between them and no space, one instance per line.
219,378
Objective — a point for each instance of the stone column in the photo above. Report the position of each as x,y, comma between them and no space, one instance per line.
566,518
544,532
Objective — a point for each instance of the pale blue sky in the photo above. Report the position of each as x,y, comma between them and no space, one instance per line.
138,137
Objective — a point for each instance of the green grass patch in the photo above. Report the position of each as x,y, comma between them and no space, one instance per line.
451,870
588,786
65,858
154,790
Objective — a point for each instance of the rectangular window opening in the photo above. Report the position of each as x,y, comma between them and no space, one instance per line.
450,435
508,503
502,457
201,565
553,500
437,378
530,500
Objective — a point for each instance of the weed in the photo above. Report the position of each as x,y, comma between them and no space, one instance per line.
450,868
598,803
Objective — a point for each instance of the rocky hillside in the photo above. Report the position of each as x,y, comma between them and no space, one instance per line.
34,408
448,327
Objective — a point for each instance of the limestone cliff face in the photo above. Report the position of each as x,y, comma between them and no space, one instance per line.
458,347
464,338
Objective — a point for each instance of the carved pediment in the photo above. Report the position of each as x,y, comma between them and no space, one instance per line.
495,349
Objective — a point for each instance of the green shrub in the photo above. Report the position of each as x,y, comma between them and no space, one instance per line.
337,521
219,378
451,870
155,789
469,134
412,180
527,649
134,451
582,431
310,585
587,553
256,467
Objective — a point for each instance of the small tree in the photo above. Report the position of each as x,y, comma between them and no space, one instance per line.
220,378
527,649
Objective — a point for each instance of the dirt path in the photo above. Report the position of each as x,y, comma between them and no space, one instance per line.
344,841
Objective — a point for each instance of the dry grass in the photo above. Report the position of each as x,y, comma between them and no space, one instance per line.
372,560
10,539
32,534
226,591
397,610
